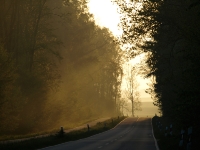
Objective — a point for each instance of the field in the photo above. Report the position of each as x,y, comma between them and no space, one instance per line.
148,109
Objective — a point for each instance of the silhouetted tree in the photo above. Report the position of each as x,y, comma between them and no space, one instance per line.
169,32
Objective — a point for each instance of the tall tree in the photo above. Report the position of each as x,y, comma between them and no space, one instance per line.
173,50
131,91
49,89
28,46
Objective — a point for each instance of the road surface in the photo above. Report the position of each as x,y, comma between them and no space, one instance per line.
130,134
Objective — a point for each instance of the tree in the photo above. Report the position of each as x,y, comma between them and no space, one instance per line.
29,51
173,50
90,71
131,91
58,64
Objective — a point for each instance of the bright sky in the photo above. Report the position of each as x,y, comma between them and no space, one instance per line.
105,15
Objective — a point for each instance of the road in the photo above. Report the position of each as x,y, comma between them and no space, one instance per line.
130,134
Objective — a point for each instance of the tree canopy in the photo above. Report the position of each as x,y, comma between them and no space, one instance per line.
168,31
58,68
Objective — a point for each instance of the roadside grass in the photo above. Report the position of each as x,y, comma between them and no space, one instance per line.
171,142
15,137
54,139
46,132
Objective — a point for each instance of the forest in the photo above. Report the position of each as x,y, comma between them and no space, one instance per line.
57,67
168,31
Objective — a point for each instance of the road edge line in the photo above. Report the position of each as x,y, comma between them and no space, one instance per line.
156,144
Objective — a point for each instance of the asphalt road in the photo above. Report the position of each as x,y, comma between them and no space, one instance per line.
130,134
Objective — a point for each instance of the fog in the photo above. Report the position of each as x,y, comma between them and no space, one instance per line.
61,69
57,67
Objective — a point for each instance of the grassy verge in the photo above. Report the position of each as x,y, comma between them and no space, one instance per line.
171,142
47,132
57,139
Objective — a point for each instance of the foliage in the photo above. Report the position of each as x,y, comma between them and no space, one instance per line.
57,66
90,72
173,53
27,64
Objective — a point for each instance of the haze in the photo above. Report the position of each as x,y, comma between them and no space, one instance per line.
59,65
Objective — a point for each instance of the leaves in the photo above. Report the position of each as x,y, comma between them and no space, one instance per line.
168,31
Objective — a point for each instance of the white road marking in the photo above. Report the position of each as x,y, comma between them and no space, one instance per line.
99,147
156,144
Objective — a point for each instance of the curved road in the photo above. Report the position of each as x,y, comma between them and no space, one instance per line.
130,134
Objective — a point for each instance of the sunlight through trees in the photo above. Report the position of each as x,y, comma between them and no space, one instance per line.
57,67
172,46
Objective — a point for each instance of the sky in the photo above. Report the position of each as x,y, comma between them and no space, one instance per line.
105,15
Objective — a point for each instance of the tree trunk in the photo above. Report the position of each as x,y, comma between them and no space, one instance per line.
132,108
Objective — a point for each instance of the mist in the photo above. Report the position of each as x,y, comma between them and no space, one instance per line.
58,68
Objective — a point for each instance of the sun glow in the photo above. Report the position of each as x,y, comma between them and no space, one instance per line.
106,15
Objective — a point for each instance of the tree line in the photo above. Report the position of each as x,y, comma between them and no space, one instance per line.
57,67
169,33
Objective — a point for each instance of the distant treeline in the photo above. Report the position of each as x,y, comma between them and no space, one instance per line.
57,68
169,32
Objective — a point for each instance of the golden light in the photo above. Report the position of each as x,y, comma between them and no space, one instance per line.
106,15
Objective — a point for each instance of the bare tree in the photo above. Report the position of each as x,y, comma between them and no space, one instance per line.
131,91
123,106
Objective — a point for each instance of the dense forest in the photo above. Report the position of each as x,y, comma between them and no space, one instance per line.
168,31
57,67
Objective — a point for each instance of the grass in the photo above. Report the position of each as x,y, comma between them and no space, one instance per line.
47,132
37,143
15,137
